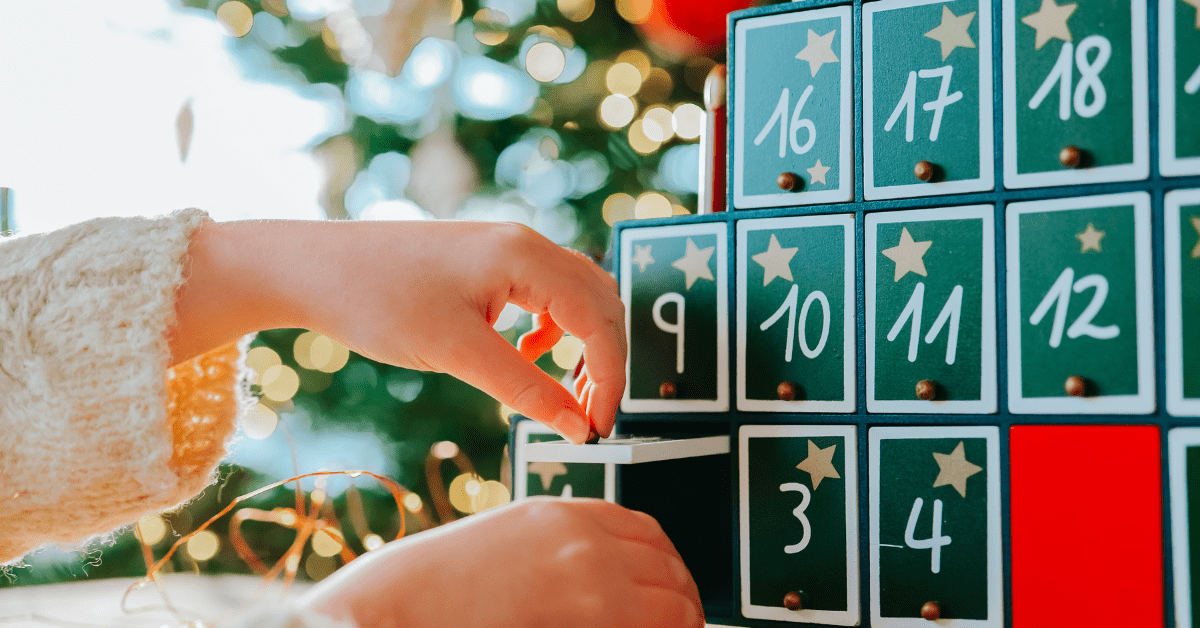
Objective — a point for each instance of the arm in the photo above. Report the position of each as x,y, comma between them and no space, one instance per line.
421,295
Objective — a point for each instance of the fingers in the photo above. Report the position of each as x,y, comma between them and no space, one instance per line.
627,524
584,302
487,361
545,333
652,567
653,607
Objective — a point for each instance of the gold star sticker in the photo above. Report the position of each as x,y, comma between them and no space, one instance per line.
1050,22
1196,226
642,257
1196,5
694,263
954,469
817,172
908,255
776,261
952,32
548,471
819,463
1089,239
819,50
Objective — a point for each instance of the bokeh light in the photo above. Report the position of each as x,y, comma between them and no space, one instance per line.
618,207
567,351
259,422
576,10
486,89
639,140
545,61
372,542
491,27
652,205
444,449
235,18
412,502
462,500
687,121
656,86
262,358
430,63
617,110
324,542
318,567
405,385
151,529
635,11
203,545
624,79
279,382
658,125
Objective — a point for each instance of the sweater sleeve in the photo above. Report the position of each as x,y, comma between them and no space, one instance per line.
96,427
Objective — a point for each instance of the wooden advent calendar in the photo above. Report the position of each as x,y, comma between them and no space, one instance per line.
948,330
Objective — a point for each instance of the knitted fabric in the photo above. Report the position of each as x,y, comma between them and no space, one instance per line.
96,428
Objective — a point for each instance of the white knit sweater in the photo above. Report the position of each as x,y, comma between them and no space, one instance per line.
96,427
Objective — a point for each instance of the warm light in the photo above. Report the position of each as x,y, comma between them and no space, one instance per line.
472,487
287,517
324,543
459,497
235,18
491,27
259,422
687,121
637,59
302,349
545,61
327,354
656,86
576,10
624,79
262,358
292,563
456,11
679,210
616,110
618,207
639,140
634,11
318,496
278,8
204,545
151,529
652,205
279,383
506,414
319,567
494,494
373,542
412,502
663,127
444,450
567,352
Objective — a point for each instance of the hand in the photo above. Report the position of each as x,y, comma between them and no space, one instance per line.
540,562
421,295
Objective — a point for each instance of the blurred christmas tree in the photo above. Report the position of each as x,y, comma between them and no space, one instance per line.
566,116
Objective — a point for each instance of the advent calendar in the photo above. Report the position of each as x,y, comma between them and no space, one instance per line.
939,362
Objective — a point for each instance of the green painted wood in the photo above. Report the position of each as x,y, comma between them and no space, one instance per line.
1186,87
908,576
553,478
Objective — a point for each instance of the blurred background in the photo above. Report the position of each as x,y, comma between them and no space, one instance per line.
564,115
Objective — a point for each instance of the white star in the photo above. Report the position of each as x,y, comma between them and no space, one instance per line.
818,172
819,50
548,471
642,257
694,263
776,261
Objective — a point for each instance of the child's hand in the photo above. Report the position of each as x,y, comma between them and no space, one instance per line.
538,562
420,295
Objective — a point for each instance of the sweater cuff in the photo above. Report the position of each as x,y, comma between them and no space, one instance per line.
97,428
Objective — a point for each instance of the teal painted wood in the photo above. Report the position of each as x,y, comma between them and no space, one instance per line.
1156,185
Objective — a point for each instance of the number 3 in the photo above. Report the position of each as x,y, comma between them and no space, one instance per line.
798,512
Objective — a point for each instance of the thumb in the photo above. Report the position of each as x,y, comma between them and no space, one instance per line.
488,362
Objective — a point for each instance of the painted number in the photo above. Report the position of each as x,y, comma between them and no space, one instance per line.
951,313
798,512
676,327
1089,79
936,540
1059,298
1193,83
908,102
790,133
789,306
